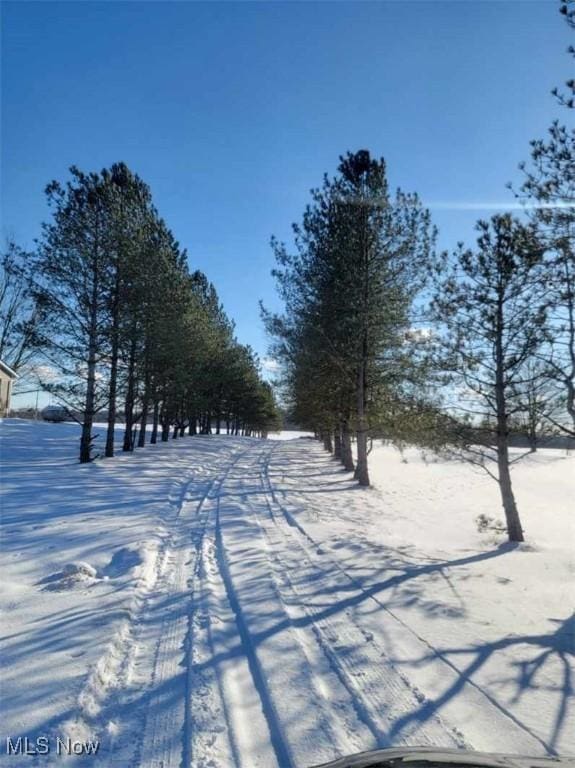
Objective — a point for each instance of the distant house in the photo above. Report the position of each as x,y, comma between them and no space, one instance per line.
7,376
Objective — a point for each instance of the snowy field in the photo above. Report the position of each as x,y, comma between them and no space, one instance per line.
230,602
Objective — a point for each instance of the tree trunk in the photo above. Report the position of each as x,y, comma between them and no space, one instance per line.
361,473
144,416
346,452
143,425
86,438
112,392
514,531
570,399
130,398
155,419
208,426
337,444
89,407
569,381
165,428
361,470
114,354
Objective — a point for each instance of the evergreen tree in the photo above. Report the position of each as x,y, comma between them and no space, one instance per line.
567,10
550,184
549,187
69,279
361,258
132,264
493,327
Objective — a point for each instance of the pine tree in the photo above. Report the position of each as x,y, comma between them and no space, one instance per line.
493,326
361,258
567,10
69,274
549,190
132,222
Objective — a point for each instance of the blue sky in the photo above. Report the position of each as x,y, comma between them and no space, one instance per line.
232,111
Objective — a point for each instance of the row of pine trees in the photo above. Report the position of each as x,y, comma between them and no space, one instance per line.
463,352
383,337
122,326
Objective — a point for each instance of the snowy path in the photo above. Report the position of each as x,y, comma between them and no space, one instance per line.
250,642
265,652
356,621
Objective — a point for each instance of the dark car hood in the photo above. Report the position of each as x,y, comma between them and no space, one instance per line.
428,757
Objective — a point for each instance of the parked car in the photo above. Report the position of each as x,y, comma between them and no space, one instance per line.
55,413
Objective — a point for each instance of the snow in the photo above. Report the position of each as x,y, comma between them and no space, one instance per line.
225,601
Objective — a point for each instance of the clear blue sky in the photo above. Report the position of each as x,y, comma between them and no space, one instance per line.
232,111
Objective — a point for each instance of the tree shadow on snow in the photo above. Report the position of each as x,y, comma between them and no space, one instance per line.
558,645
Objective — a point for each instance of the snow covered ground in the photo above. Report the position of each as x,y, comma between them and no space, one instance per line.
219,601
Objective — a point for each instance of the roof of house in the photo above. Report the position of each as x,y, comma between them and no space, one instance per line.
8,370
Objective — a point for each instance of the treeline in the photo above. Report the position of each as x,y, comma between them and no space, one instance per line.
382,337
461,352
122,325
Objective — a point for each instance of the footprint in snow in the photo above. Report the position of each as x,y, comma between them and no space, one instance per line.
123,560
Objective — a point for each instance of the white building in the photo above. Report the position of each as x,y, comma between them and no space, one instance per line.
7,376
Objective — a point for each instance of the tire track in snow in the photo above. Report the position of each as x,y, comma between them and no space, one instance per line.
282,753
180,634
353,654
326,664
484,703
100,695
302,720
229,728
241,691
159,720
148,710
245,694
